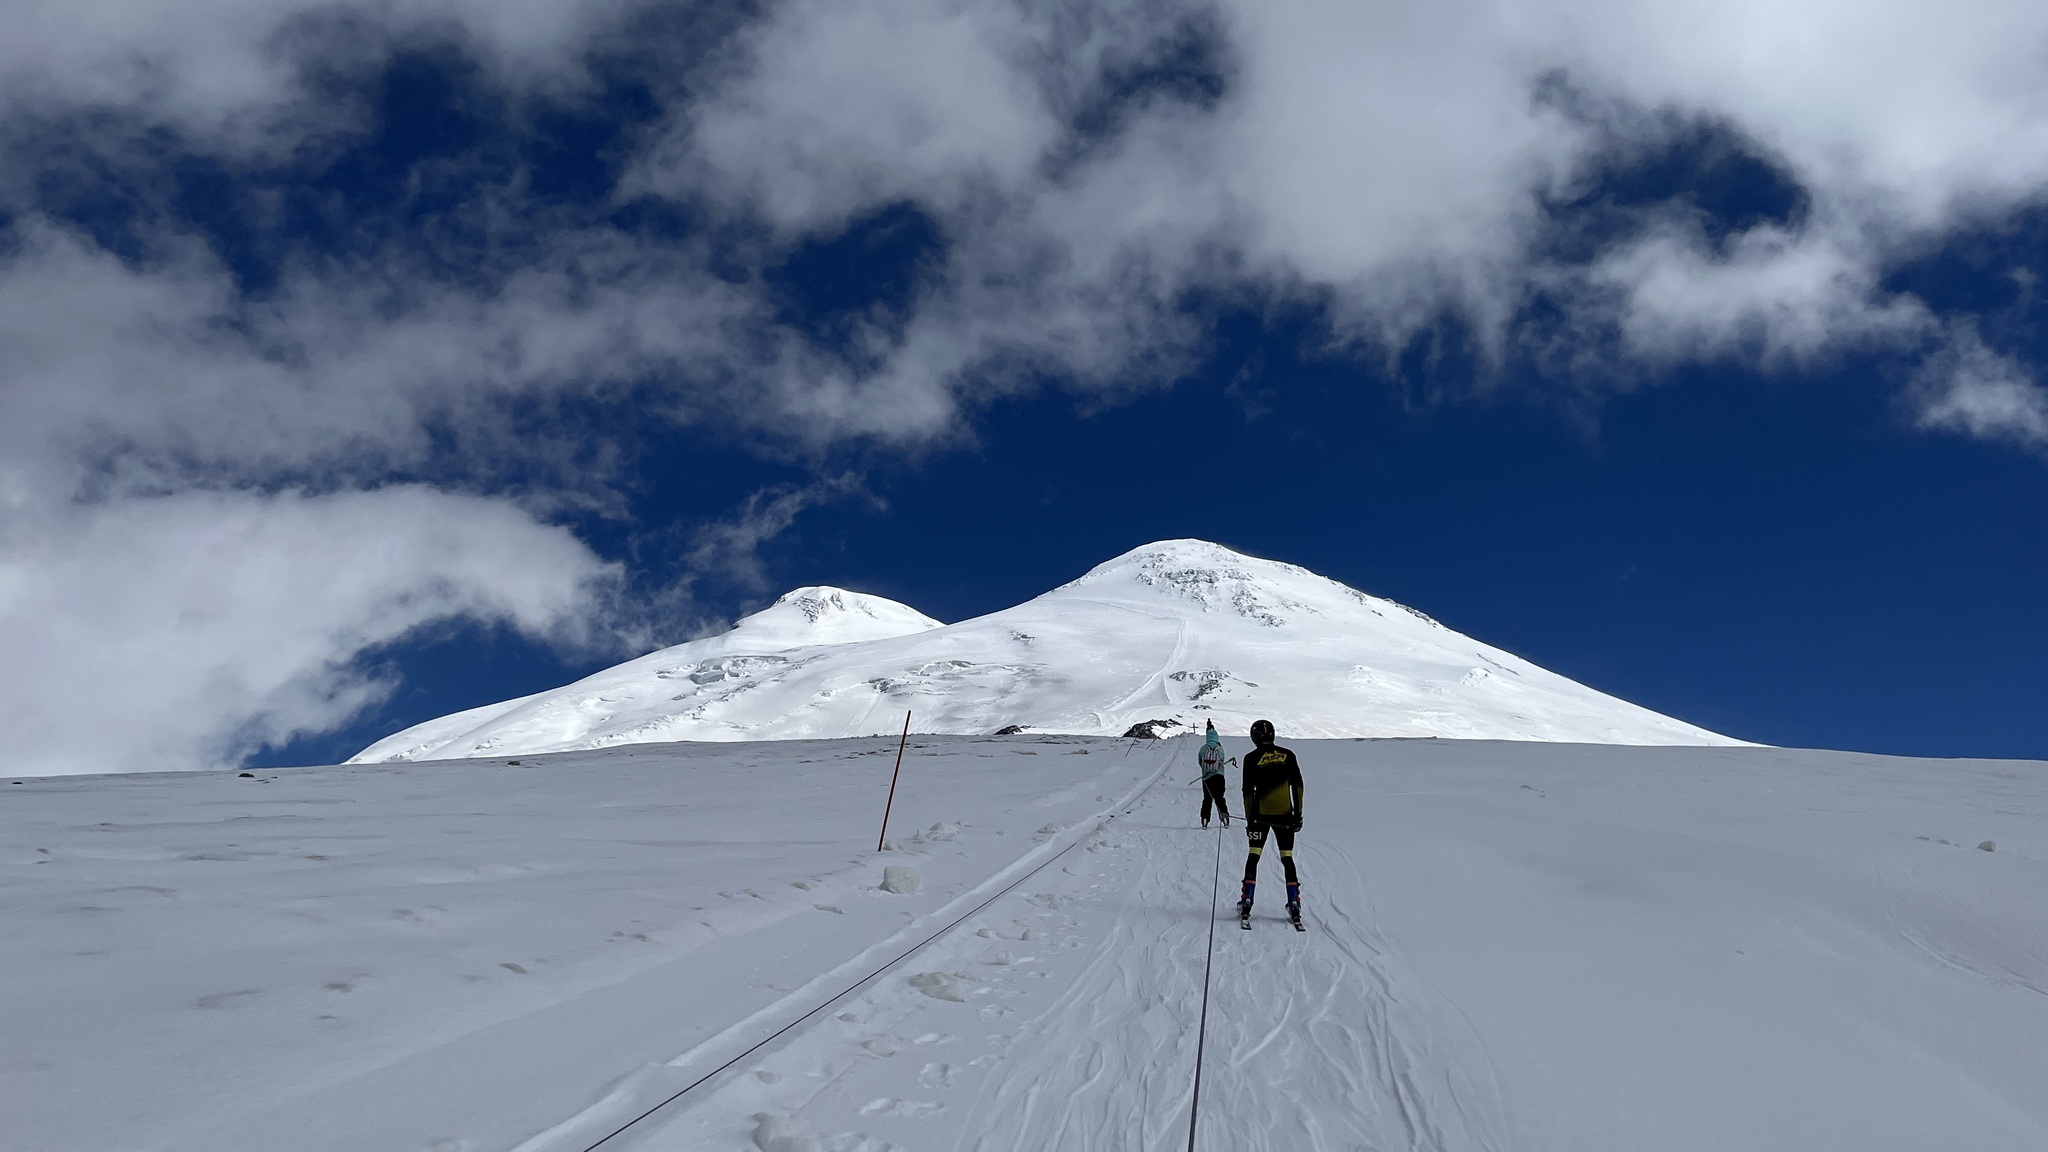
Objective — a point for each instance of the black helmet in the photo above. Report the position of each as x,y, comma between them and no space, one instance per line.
1262,732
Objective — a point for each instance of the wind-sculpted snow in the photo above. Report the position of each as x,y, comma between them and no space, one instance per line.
1171,634
1511,947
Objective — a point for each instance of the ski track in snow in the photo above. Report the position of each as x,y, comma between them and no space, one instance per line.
1318,1042
1527,947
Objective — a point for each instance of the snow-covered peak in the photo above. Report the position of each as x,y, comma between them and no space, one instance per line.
1164,556
1177,575
821,614
1160,639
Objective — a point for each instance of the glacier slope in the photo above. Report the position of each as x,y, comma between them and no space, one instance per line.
1181,631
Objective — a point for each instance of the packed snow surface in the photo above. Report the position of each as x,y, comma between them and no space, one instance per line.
1181,631
1511,946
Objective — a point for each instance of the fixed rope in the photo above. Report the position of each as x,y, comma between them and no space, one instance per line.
1208,962
876,973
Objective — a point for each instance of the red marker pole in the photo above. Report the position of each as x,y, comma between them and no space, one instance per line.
892,783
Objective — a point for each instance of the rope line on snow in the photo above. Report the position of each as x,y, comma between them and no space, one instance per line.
904,955
1208,962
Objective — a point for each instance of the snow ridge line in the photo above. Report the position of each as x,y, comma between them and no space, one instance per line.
1208,963
1016,873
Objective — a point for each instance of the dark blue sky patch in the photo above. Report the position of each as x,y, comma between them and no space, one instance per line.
444,170
867,275
573,153
1993,272
97,173
439,669
1656,168
207,196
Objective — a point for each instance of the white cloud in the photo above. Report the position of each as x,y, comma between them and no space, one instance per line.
849,105
227,66
1971,389
1776,298
1393,161
152,634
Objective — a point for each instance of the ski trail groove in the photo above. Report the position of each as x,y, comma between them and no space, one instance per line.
1127,804
1208,964
1131,1011
1325,1042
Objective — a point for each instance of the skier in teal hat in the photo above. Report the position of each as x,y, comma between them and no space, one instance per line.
1211,759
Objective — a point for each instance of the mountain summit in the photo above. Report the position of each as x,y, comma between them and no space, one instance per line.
1163,637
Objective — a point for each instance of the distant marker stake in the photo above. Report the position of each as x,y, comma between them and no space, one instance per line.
883,838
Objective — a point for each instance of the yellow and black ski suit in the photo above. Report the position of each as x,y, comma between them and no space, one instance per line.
1272,800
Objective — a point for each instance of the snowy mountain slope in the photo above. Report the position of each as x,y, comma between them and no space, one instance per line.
1512,946
1181,631
807,618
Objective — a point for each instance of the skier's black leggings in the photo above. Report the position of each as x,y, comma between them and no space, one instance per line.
1257,832
1212,793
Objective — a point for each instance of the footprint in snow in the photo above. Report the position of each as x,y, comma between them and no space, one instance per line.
943,985
893,1107
774,1133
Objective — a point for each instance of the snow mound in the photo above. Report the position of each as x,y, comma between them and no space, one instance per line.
1158,640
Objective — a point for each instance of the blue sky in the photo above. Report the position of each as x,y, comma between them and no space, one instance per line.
366,364
1776,559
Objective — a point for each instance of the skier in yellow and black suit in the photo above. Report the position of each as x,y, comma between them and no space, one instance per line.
1272,800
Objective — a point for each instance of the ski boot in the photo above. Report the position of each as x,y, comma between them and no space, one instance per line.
1294,906
1205,821
1244,908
